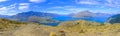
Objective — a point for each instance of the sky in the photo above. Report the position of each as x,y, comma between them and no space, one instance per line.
12,7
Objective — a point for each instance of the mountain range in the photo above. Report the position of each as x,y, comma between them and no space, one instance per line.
42,17
87,15
4,16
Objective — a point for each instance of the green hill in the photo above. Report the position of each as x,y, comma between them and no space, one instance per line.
114,19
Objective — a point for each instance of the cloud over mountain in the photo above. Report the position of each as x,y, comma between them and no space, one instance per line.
37,1
23,6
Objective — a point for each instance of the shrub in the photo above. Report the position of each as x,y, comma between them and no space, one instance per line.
53,34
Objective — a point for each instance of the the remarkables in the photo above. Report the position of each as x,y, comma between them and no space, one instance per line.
37,17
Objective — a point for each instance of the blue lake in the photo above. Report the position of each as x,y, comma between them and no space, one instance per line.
50,24
67,18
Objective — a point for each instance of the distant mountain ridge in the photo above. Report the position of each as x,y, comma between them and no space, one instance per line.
4,16
87,15
39,17
83,14
32,13
48,17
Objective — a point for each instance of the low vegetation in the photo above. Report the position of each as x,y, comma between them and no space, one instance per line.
88,28
68,28
6,24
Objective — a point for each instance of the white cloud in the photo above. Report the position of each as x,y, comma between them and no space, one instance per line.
37,1
8,10
108,3
64,9
3,0
3,9
23,6
85,2
88,2
113,3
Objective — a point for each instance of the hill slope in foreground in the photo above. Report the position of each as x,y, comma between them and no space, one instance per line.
68,28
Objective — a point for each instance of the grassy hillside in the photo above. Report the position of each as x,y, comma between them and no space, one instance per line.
71,28
6,24
87,28
68,28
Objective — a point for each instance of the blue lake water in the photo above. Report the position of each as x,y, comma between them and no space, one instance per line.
50,24
67,18
64,18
